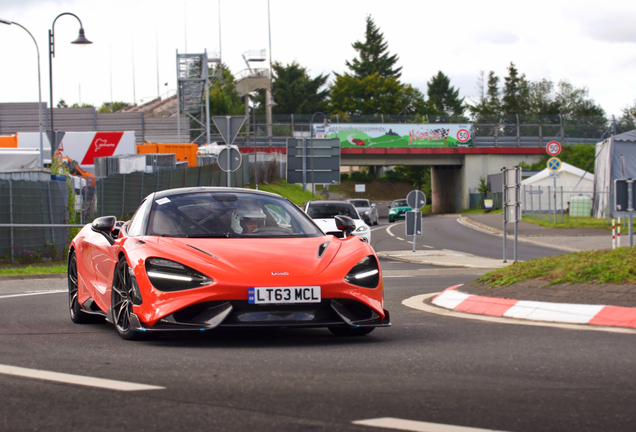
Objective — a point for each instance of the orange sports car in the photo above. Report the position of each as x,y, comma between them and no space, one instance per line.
201,258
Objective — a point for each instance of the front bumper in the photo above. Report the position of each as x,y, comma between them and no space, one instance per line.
239,313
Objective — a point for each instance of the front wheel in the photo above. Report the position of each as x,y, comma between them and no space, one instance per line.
351,331
78,316
122,303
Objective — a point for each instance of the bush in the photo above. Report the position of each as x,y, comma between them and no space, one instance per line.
344,176
361,176
395,176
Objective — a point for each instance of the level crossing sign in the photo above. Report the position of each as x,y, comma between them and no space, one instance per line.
554,164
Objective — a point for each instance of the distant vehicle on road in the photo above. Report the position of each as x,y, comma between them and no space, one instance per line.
324,212
358,142
397,210
367,211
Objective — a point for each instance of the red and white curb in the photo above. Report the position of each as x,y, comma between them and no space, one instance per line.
613,316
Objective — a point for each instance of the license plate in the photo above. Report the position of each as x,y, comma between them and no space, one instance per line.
277,295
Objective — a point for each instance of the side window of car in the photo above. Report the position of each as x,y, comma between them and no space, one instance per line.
137,222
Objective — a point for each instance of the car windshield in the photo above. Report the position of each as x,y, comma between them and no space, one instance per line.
399,203
329,210
360,203
228,215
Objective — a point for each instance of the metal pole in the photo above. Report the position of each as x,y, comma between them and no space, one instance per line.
531,202
11,216
207,99
540,215
555,201
229,148
255,156
549,203
562,208
517,207
123,195
505,214
304,165
48,196
630,208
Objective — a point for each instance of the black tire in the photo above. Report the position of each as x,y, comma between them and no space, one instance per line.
78,316
351,331
121,304
391,221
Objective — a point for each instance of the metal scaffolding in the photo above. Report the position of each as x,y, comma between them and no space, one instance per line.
195,74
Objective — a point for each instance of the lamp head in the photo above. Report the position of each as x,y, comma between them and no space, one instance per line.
2,21
271,102
81,39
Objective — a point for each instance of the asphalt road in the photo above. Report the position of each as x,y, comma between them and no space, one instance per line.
425,368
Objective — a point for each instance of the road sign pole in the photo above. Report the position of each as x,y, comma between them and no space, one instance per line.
630,208
555,189
505,212
304,165
229,133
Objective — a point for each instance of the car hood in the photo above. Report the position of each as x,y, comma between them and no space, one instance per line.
298,257
402,208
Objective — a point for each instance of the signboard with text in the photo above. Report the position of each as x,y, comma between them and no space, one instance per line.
378,135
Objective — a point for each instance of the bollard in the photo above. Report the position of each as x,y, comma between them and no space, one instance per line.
613,235
618,234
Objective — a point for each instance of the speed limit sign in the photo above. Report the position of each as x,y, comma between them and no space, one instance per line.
553,148
463,135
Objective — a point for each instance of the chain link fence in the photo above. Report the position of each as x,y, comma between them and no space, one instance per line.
42,207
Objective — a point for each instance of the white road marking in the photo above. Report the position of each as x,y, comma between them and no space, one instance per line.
415,426
417,302
33,293
430,247
388,230
75,379
400,238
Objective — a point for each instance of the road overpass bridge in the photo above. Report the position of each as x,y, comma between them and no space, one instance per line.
453,170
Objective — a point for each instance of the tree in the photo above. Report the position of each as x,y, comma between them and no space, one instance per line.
420,176
580,155
84,105
516,92
444,97
375,94
224,99
489,104
62,104
627,120
295,92
111,107
374,57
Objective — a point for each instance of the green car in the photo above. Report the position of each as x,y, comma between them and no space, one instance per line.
397,209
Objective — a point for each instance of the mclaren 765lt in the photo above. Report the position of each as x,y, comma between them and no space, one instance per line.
200,258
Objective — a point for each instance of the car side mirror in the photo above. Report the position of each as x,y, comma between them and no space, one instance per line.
388,207
345,224
105,226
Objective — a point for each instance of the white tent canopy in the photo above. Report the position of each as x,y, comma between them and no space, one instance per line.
538,191
615,159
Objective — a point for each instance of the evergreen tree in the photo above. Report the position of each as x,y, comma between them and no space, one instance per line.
444,97
489,104
295,92
375,94
374,57
516,92
110,107
224,99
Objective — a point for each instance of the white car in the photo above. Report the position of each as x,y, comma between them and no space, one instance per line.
323,212
367,211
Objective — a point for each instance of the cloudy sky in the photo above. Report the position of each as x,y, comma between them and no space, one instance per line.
589,43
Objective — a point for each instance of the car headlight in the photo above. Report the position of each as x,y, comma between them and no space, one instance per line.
166,275
361,228
366,273
392,211
367,212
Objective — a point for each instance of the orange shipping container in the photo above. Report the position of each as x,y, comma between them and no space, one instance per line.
184,152
10,141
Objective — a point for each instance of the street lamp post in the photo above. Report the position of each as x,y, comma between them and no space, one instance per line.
325,123
81,40
39,87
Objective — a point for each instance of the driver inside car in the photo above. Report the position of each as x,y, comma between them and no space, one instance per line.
247,221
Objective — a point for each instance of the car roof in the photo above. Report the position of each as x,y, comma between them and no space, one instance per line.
328,202
179,191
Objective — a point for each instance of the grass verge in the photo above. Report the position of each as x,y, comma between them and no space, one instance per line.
616,266
31,270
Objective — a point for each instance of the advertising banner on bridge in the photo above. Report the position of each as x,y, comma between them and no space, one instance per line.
382,135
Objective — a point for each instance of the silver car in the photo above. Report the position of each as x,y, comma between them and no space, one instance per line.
368,211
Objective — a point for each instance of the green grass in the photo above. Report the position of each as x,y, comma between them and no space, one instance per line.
480,211
572,222
616,266
294,193
30,270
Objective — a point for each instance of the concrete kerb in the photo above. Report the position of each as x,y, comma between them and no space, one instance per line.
567,313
